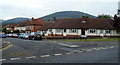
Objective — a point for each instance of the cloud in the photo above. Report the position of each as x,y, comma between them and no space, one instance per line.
39,8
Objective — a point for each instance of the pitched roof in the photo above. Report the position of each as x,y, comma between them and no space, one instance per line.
11,25
77,23
47,25
38,21
23,23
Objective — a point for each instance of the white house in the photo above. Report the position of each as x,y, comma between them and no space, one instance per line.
21,26
74,27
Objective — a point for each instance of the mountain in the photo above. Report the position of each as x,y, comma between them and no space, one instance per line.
2,20
67,14
14,20
62,14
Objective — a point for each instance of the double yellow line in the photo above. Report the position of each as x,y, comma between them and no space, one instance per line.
9,44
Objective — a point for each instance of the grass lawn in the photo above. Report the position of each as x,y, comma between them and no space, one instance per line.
91,40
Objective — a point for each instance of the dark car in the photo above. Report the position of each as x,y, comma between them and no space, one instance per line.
38,37
35,36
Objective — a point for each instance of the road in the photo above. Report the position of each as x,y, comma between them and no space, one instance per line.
31,51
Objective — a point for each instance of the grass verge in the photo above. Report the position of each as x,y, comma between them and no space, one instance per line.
91,40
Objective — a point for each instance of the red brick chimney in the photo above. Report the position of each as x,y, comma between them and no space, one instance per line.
84,19
32,19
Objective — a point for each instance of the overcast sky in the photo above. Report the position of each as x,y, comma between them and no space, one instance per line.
38,8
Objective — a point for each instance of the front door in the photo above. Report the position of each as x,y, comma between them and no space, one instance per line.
82,31
64,32
102,33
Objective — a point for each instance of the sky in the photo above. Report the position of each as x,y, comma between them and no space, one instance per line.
38,8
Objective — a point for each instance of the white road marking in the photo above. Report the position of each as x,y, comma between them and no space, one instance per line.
58,54
104,48
75,50
74,46
44,56
83,50
14,58
2,60
61,53
30,57
63,44
68,45
98,48
101,47
90,50
94,48
70,53
111,47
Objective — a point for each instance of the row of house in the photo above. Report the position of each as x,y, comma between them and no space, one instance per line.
70,27
26,26
86,27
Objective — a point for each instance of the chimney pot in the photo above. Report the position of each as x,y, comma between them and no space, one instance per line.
54,18
32,19
84,19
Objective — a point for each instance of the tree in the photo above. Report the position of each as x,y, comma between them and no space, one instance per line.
16,31
104,16
6,31
117,23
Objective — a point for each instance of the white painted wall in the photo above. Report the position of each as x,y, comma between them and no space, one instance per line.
113,32
79,32
54,31
20,28
92,34
67,32
8,28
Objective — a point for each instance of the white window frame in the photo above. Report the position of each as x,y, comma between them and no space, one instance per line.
58,30
73,30
50,30
107,31
118,31
92,30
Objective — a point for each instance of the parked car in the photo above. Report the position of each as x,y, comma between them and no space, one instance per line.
14,35
38,37
2,35
9,35
21,35
35,36
26,36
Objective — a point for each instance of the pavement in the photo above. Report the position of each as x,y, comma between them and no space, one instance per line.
45,51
